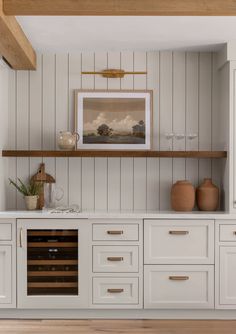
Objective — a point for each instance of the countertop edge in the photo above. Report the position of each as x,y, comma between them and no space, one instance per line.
116,215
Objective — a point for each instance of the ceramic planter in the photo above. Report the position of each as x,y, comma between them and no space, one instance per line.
31,202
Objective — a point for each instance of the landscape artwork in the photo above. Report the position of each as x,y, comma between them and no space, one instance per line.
115,121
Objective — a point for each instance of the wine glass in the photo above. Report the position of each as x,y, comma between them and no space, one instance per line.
191,137
179,137
169,137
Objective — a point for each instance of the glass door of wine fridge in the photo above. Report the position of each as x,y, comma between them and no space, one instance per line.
53,261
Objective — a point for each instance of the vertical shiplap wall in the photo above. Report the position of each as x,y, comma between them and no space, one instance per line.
4,74
185,101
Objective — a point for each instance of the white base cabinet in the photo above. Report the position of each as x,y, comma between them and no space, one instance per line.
225,290
7,264
5,275
117,271
178,286
178,264
228,275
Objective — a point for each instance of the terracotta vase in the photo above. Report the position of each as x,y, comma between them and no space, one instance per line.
182,196
207,196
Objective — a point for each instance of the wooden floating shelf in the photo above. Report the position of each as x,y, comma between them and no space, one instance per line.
113,154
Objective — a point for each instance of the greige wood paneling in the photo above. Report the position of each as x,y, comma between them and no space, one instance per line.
127,165
185,95
88,164
140,164
166,126
114,164
10,191
22,128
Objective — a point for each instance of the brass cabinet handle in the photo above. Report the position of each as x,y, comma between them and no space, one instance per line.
21,237
115,232
115,290
115,258
178,232
178,278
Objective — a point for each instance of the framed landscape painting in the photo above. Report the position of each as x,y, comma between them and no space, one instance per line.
114,120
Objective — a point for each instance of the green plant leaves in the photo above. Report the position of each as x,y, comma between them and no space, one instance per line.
31,189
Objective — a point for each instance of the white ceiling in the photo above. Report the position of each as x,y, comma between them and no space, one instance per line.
76,33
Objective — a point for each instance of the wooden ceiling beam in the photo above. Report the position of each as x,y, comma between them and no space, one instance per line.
121,7
14,45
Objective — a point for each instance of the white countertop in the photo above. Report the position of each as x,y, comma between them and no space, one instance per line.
122,215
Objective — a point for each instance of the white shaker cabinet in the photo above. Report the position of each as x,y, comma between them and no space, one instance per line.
7,264
178,264
228,275
226,264
5,275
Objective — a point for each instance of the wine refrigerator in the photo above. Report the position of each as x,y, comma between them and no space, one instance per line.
53,263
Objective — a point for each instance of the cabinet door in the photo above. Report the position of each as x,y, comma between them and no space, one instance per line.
178,241
53,263
227,276
5,276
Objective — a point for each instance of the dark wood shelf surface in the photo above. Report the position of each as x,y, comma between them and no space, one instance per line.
115,153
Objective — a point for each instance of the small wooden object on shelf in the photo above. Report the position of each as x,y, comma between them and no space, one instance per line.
42,177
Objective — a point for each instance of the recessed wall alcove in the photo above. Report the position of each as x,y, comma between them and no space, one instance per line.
185,90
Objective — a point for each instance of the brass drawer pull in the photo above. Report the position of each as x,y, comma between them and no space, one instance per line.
115,258
178,232
115,290
178,278
115,232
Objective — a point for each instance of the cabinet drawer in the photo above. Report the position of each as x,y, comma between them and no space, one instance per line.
109,290
178,242
5,232
178,286
117,259
111,232
228,232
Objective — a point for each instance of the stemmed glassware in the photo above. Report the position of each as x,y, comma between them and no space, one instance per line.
179,137
169,137
191,137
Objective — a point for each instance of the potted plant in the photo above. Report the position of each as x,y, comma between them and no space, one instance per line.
30,192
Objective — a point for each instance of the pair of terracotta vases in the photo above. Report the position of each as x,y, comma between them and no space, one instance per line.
183,196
